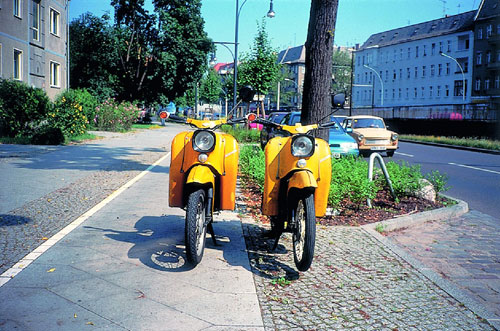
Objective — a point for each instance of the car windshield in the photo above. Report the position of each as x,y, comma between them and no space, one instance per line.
360,123
276,118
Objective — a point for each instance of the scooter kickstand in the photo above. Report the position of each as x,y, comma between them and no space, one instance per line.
212,233
276,241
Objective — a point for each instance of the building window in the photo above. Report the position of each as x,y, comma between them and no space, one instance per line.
488,57
440,69
399,93
463,43
407,93
447,90
17,72
433,69
479,58
425,51
430,91
409,52
433,49
394,74
386,75
458,88
414,93
489,29
480,33
477,86
448,68
416,72
17,6
408,73
448,49
438,91
423,71
55,74
400,73
401,54
416,51
35,26
423,92
497,81
487,84
440,46
393,94
54,22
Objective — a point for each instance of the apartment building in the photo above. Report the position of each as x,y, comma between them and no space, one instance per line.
418,71
34,43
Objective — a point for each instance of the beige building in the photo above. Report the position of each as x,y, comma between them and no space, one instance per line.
34,43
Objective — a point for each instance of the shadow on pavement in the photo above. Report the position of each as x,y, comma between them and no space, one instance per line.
11,220
159,243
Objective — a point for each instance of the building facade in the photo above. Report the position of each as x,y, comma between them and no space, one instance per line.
34,43
418,71
486,73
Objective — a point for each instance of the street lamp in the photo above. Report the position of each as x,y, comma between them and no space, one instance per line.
270,14
461,69
381,84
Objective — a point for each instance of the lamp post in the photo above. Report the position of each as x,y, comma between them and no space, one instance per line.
298,91
270,14
461,69
381,84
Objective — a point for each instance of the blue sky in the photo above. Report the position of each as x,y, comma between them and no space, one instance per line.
356,19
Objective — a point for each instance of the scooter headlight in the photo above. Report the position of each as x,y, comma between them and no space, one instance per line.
302,145
203,141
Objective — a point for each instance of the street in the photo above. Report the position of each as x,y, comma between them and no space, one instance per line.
473,177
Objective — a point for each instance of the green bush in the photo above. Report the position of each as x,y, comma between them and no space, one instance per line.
47,135
83,98
242,134
405,178
113,116
252,161
438,180
68,116
350,180
21,105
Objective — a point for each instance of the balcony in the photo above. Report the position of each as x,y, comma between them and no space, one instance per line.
493,65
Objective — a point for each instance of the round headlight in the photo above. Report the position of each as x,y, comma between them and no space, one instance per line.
302,146
361,137
203,141
394,136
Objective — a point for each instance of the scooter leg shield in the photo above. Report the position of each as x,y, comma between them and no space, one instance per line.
301,180
201,175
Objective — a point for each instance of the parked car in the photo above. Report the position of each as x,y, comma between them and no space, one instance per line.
371,134
267,133
341,143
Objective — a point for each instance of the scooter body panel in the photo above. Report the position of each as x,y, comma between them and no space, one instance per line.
282,165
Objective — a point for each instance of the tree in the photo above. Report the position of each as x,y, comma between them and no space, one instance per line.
319,49
211,87
92,54
341,69
259,69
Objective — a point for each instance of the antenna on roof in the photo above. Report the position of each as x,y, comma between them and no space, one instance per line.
444,7
458,11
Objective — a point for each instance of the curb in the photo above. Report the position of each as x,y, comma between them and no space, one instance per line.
427,216
463,148
433,215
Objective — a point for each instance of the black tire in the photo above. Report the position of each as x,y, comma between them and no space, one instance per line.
390,153
195,230
304,234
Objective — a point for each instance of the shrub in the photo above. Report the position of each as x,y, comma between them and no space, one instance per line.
47,135
21,105
83,98
68,116
438,180
405,178
252,161
113,116
242,134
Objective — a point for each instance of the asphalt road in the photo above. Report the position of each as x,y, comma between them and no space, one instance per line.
473,177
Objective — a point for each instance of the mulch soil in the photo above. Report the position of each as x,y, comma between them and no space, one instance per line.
383,207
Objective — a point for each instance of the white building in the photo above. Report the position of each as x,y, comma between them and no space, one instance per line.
403,71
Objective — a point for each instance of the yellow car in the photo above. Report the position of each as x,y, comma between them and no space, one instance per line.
371,134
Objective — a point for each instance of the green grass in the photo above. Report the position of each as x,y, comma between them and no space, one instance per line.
241,134
79,138
15,140
145,126
467,142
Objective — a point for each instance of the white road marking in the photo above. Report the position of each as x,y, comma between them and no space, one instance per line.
404,154
475,168
28,259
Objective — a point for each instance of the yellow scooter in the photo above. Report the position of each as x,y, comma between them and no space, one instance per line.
202,180
297,181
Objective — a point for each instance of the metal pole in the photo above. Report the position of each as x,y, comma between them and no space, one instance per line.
235,64
461,69
381,83
352,77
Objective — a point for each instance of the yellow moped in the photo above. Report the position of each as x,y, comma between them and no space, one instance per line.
298,172
202,180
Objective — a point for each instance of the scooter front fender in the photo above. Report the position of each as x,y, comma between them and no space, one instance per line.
302,179
202,175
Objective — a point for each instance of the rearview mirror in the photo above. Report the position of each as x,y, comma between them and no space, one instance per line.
338,100
246,93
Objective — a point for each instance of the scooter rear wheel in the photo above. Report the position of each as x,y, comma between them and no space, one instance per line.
195,230
304,234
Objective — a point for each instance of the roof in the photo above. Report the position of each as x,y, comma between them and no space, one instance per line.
293,55
355,117
441,26
487,9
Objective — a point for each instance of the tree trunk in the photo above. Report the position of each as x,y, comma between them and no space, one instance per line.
316,102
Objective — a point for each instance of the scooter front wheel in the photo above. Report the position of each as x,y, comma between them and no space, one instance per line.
195,230
304,234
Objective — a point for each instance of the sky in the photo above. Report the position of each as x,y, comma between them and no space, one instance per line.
356,19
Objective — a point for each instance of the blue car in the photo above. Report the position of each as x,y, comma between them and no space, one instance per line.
341,143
